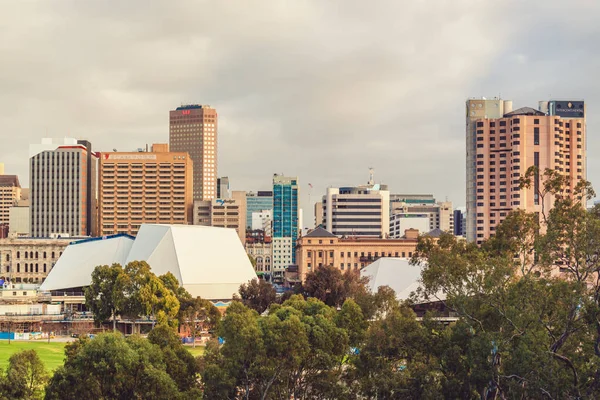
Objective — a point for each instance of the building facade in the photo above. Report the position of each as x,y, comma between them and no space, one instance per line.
477,109
263,220
262,254
63,188
223,190
144,187
194,129
410,208
361,211
223,213
508,146
320,248
10,194
29,259
282,256
262,200
286,210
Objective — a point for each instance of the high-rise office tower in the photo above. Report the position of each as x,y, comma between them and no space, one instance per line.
478,109
193,129
285,214
144,187
63,179
507,146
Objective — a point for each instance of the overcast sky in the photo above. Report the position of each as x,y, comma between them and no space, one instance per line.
318,89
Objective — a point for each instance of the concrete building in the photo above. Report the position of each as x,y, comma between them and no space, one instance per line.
320,248
286,211
415,206
318,214
282,256
477,109
29,259
400,222
263,255
262,200
223,213
223,191
193,129
507,146
263,220
63,192
360,211
10,193
144,187
18,220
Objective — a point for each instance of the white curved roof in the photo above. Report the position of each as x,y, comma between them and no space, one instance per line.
75,266
208,262
397,273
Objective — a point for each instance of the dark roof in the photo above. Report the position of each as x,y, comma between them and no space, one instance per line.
319,232
189,107
9,180
437,232
524,111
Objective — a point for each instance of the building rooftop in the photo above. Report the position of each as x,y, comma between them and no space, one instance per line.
524,111
9,180
319,232
191,107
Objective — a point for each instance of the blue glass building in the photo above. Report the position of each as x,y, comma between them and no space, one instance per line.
285,209
263,200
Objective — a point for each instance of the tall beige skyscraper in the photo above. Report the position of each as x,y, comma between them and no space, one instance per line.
506,146
193,129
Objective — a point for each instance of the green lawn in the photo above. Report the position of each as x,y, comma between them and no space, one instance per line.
52,354
197,351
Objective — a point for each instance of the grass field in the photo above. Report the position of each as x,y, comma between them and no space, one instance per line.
52,354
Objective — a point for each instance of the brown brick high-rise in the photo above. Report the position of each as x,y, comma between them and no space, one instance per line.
193,129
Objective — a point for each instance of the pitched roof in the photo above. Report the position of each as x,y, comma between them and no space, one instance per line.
319,232
524,111
437,232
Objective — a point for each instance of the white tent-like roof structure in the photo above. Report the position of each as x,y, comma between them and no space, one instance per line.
397,273
75,266
208,262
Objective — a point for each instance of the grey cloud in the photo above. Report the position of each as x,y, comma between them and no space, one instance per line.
318,89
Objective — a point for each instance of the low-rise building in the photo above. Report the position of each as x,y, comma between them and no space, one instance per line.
262,254
223,213
30,259
320,248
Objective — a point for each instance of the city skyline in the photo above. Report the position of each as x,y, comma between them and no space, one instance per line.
340,103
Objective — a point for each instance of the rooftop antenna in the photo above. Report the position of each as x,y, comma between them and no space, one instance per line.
371,176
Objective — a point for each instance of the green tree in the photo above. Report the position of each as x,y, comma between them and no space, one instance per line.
146,295
112,367
104,297
297,351
25,378
198,315
257,294
181,366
